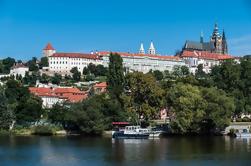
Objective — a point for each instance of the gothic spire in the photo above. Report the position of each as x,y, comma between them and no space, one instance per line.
216,31
201,37
223,35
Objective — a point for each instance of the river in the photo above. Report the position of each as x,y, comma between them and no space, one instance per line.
78,151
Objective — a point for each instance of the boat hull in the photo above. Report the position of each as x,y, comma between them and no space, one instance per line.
121,135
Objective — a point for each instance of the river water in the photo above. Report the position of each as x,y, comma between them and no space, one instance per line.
78,151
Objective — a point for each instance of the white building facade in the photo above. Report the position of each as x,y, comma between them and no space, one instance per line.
19,69
62,63
194,58
145,62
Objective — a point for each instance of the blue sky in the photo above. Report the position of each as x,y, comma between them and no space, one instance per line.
119,25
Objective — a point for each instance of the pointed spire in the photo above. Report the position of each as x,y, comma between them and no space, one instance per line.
223,35
201,37
141,50
216,30
151,49
48,47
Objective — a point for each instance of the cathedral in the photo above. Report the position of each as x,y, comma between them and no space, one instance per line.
217,43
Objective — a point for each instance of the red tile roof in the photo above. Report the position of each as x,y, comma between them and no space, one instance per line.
48,47
167,57
70,94
101,85
206,55
67,90
76,55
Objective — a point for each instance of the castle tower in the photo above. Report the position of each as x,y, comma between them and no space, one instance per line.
216,39
151,49
141,49
201,37
48,50
224,43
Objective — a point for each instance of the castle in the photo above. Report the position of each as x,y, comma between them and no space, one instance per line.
217,43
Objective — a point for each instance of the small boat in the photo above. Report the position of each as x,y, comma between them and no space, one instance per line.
244,134
132,132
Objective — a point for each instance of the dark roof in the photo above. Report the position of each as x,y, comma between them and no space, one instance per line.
206,46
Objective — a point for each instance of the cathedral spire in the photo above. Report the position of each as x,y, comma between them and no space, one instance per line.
201,37
141,49
223,35
216,31
151,49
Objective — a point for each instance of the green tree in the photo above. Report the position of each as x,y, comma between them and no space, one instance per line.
200,74
6,114
158,75
32,64
187,104
218,111
6,64
116,78
76,74
43,62
56,79
145,95
29,110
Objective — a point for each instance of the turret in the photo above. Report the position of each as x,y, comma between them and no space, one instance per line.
151,49
48,50
141,49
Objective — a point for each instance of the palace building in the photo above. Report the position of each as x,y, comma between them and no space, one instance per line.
62,63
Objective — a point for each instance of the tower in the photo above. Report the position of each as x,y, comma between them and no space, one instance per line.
151,49
201,37
141,49
224,43
216,40
48,50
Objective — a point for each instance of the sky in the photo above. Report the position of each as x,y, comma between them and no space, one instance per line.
26,26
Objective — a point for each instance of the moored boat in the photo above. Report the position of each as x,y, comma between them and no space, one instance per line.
132,132
245,133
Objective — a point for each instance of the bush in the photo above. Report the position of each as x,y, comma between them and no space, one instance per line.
43,130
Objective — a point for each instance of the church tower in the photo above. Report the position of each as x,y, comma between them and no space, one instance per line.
141,49
216,39
224,43
48,50
151,49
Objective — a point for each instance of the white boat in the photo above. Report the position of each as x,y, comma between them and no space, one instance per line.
135,132
245,133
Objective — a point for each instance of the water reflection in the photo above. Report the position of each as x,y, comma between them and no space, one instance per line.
65,151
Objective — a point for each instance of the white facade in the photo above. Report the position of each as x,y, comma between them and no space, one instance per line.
19,71
49,101
63,65
145,63
193,62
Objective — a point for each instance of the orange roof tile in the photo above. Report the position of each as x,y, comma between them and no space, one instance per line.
167,57
205,55
48,47
76,55
101,85
67,90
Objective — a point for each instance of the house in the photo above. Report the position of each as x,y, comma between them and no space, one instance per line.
99,88
52,96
